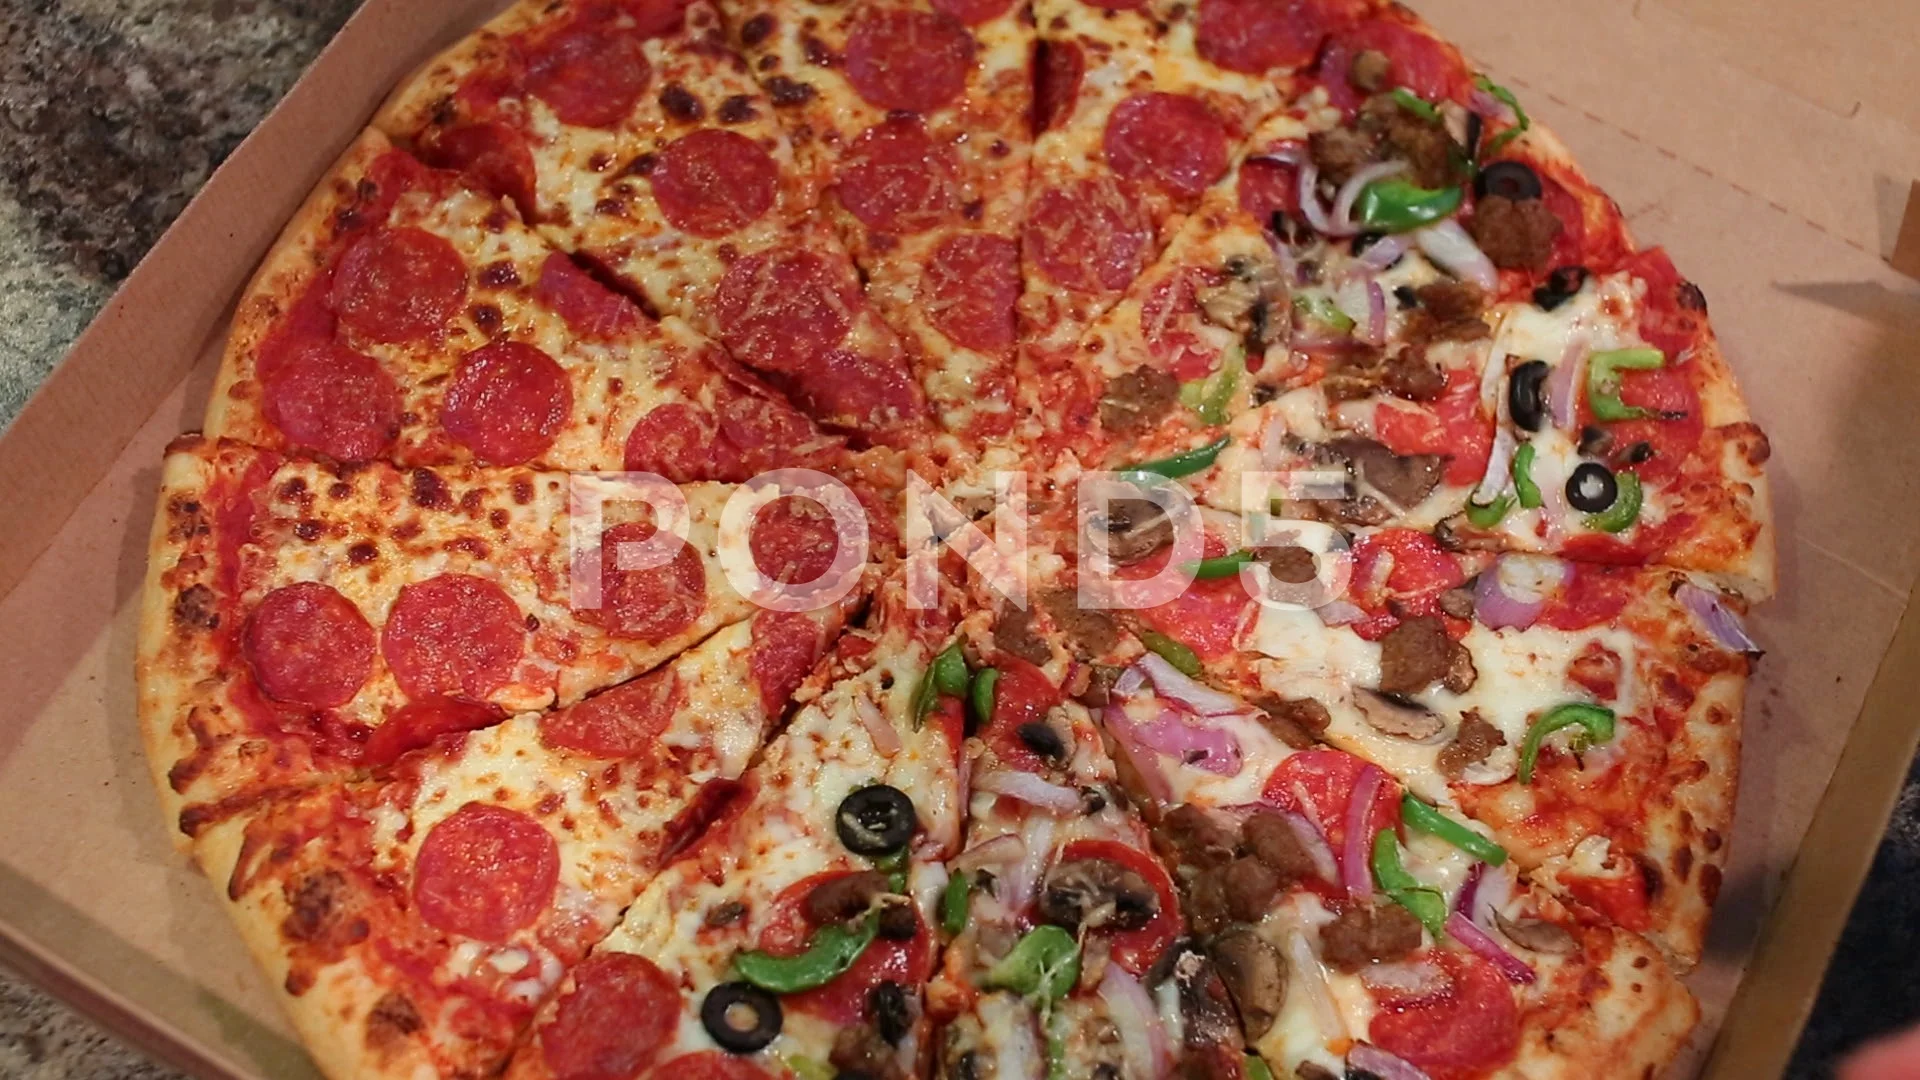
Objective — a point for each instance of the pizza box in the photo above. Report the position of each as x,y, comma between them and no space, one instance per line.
1769,144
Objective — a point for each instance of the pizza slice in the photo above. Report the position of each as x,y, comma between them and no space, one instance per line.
795,936
413,921
1140,106
1587,714
407,315
1067,953
304,618
635,138
1359,931
919,115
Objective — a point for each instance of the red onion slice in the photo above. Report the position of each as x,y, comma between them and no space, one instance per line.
1016,887
1448,245
1207,748
1563,395
1385,252
1315,843
1355,869
1349,195
1130,681
999,851
1468,933
1372,1059
1174,684
1029,789
1720,620
1376,312
1488,106
1469,889
1316,214
1339,613
1291,153
1146,763
886,737
1514,590
1143,1036
1499,466
1410,981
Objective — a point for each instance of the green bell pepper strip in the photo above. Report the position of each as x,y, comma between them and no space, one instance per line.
807,1068
832,951
1415,104
1185,660
1394,205
946,675
954,900
1210,397
1430,820
1042,967
894,864
1257,1069
1625,509
1320,308
1182,464
980,695
1597,721
1523,485
1220,565
1603,381
1505,97
1426,904
1486,517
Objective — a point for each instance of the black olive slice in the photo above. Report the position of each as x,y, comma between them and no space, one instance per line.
1507,179
1596,441
1042,740
875,820
1561,284
1526,398
1592,487
741,1017
1475,126
887,1008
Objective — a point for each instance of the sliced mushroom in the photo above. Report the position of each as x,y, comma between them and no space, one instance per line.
1298,722
1403,480
844,897
1255,974
1244,300
1135,528
1097,894
1393,715
1206,1009
1536,935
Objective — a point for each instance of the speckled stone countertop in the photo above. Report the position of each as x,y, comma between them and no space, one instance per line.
113,112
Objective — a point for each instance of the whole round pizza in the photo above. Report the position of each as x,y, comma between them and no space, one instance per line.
990,539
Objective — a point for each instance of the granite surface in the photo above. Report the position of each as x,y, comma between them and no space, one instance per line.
113,112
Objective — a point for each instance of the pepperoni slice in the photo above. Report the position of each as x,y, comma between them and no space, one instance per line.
793,540
973,12
1591,595
620,1013
1622,898
762,427
1135,950
1328,777
682,443
1170,140
623,722
592,76
1167,322
898,58
709,1065
971,285
455,635
1667,391
780,311
1468,1029
896,179
1454,426
1267,186
485,872
648,605
492,155
1086,237
712,181
785,645
419,723
589,308
1022,696
1417,570
1416,60
859,391
324,396
843,1000
1671,314
1207,617
308,645
1058,67
506,402
1256,36
398,285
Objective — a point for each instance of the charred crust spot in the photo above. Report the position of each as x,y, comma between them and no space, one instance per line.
499,275
680,103
196,609
487,318
362,553
1690,298
1711,840
788,92
817,52
1682,863
641,165
498,518
522,490
393,1018
308,529
430,491
755,30
737,109
1710,884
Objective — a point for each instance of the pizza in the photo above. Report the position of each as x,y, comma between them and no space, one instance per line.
764,539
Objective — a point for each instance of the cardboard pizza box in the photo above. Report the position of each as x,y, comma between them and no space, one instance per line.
1769,144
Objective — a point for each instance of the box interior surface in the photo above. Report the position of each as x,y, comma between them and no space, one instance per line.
1769,146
